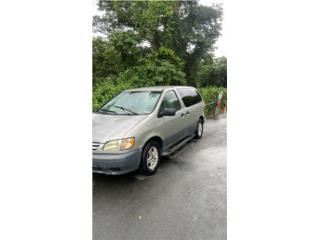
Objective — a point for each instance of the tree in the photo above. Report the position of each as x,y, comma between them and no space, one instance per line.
106,61
213,72
185,27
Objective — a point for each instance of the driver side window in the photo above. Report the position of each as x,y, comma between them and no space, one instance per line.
170,100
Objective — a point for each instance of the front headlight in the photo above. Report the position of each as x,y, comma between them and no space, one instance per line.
119,145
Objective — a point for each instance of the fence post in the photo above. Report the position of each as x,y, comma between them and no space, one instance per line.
218,104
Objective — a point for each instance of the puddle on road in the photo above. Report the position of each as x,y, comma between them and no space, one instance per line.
140,177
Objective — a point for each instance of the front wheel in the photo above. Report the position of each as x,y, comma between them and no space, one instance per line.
199,131
150,158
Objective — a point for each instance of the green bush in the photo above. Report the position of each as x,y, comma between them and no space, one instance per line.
209,95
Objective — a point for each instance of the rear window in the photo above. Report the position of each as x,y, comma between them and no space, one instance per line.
189,96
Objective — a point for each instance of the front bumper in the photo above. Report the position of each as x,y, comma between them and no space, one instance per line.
116,163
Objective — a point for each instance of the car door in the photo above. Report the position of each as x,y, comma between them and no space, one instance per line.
193,108
172,127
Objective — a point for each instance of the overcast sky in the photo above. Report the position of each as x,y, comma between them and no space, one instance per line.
220,51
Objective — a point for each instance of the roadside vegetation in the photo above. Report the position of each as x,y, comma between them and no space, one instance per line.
149,43
210,96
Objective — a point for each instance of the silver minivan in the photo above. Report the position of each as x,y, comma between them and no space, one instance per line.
137,127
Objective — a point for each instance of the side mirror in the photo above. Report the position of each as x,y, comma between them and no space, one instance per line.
167,112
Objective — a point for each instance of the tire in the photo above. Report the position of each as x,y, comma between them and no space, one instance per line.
150,158
199,131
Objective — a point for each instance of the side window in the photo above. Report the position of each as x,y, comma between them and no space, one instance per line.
189,96
198,97
170,100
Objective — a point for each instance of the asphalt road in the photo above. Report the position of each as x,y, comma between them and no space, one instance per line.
186,199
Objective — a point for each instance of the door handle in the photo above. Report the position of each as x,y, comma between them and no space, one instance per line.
182,115
188,113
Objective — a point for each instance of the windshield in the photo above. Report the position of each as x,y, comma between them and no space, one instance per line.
132,103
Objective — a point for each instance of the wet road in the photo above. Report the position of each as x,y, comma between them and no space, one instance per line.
186,199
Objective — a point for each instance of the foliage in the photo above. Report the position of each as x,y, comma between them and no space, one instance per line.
187,28
106,61
213,72
147,43
210,95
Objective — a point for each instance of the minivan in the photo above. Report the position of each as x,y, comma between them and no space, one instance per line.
139,126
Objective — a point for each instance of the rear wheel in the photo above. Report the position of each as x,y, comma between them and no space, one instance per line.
150,158
199,131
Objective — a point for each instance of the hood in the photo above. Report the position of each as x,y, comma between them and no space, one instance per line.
109,127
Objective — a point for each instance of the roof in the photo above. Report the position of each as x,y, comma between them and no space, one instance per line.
155,88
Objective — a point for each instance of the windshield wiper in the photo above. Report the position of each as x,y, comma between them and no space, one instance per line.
126,109
106,110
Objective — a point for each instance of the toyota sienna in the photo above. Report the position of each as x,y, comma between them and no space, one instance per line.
133,130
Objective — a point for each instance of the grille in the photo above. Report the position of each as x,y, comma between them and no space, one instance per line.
95,146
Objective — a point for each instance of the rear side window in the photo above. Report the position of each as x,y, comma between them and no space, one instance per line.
170,100
189,96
